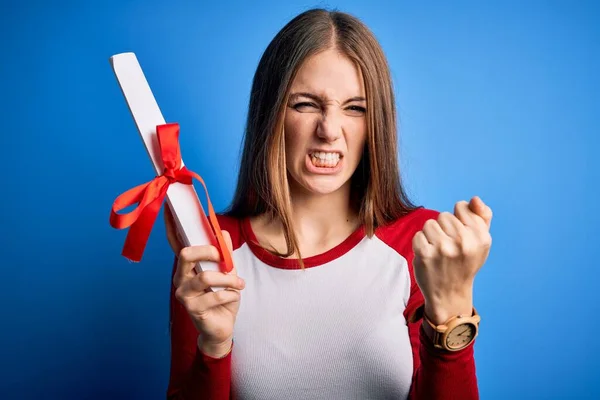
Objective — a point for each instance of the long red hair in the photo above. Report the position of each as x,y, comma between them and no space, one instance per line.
262,185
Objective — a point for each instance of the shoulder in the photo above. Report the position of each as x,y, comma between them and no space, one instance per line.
398,234
233,226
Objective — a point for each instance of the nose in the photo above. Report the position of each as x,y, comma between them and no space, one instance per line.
329,127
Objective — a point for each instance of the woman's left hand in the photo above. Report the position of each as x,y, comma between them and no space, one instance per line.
449,252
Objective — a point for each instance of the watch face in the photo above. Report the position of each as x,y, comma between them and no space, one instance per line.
460,336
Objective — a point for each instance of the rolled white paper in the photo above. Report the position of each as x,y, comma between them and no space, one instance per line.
190,218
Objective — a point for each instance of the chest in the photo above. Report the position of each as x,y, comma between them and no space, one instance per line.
332,331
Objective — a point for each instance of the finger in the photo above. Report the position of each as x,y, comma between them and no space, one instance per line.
481,209
172,234
434,233
451,225
198,284
421,246
476,205
214,299
466,216
469,218
189,257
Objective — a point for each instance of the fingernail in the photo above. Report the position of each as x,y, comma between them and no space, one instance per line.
241,282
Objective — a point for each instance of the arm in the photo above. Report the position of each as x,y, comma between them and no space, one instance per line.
194,375
446,255
438,374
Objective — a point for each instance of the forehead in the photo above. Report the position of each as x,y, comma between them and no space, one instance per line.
330,74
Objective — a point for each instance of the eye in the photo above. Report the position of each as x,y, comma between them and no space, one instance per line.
305,106
356,110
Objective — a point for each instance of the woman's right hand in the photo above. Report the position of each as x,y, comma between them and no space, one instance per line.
213,313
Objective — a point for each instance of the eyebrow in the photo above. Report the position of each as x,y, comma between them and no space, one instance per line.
294,96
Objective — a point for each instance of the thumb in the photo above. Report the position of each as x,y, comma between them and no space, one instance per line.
480,208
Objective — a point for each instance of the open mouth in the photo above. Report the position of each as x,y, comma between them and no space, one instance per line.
323,159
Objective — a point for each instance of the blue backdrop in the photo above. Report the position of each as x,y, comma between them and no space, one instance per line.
500,100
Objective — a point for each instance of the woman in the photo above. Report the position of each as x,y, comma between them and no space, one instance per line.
335,269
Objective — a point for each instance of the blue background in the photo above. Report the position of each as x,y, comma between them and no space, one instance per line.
498,99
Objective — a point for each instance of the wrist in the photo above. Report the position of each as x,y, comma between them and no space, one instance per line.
215,350
438,313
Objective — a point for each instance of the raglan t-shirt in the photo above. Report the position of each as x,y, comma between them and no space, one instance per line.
339,329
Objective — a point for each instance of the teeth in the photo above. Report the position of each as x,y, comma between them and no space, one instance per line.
324,159
326,156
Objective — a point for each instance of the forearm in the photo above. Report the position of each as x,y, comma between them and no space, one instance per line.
193,373
442,374
209,378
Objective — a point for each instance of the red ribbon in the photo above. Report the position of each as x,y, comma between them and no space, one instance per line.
150,196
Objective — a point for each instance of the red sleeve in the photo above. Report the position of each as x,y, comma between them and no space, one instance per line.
437,374
194,375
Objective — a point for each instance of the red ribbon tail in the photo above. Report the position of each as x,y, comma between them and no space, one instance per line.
226,257
139,231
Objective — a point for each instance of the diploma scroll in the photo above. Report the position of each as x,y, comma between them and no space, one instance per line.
192,223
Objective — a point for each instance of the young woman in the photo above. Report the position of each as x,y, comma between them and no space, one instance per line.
342,288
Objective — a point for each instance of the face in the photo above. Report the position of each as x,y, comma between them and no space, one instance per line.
325,123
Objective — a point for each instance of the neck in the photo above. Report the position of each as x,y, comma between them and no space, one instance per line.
317,215
320,221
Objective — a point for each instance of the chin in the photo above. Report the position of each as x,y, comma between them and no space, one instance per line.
321,186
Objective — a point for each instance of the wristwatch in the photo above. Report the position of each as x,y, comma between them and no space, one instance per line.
455,334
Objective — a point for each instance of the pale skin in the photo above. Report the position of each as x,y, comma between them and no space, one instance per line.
326,114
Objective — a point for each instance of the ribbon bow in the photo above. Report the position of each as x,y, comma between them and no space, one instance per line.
150,196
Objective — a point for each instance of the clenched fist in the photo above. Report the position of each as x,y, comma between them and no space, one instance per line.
449,251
